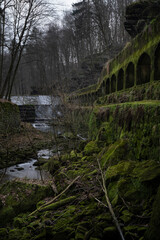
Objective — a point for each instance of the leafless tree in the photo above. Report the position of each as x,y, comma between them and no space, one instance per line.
19,19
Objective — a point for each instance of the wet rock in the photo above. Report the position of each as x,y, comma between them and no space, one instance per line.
19,168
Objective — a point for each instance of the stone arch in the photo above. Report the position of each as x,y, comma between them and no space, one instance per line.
157,63
143,69
107,86
130,75
120,80
113,83
103,87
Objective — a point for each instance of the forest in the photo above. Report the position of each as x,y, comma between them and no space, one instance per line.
80,120
40,54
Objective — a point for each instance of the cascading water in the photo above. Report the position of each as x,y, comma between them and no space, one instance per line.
45,111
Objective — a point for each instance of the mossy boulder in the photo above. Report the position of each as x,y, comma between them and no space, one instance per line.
91,148
115,152
121,169
57,204
146,170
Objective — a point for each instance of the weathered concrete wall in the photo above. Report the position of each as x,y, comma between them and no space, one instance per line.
9,117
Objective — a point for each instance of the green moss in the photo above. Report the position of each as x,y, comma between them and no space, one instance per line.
40,203
113,193
80,233
93,126
73,154
153,232
115,153
106,133
3,234
122,168
91,148
15,234
52,165
146,170
126,217
9,118
58,204
6,215
18,222
19,198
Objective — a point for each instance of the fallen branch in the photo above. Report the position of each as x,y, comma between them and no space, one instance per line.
99,201
55,198
53,206
107,198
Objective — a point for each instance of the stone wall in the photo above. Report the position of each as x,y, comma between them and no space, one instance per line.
137,64
9,117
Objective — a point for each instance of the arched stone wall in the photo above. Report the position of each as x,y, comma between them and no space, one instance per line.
113,83
143,69
138,63
157,63
103,88
120,80
130,75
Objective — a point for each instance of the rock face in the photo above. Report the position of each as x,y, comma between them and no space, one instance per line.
140,14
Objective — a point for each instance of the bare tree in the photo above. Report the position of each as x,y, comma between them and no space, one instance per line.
19,19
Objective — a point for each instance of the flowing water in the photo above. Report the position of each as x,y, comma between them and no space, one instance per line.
45,110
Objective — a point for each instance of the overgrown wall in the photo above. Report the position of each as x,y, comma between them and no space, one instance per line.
9,117
137,64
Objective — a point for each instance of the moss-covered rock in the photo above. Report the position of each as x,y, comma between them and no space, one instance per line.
57,204
19,198
146,170
91,148
121,169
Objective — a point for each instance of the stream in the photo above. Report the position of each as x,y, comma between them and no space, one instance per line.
44,110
